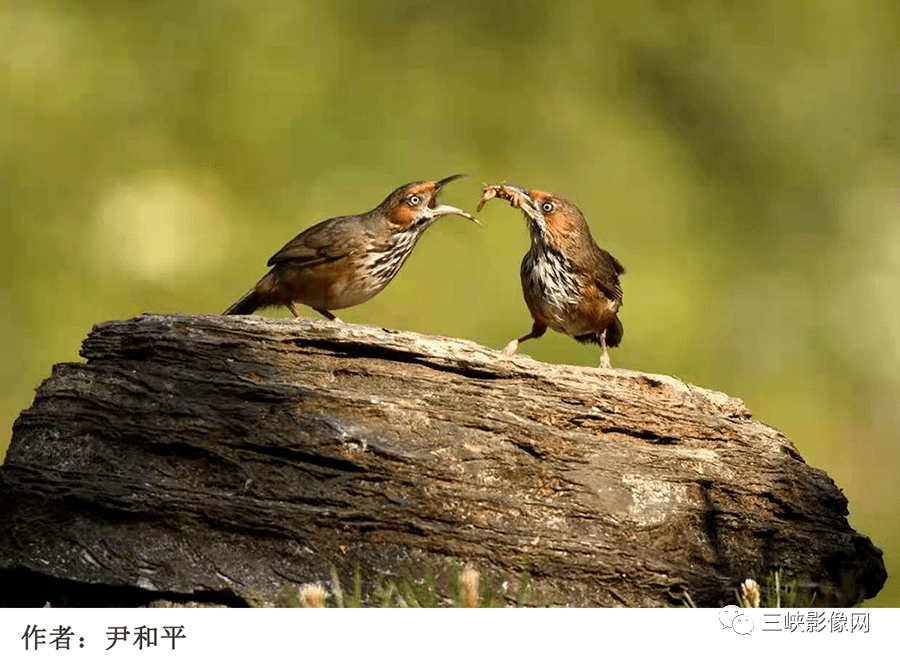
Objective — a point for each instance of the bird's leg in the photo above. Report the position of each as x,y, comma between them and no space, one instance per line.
604,357
324,313
328,315
537,330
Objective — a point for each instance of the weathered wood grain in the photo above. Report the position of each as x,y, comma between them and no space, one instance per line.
212,458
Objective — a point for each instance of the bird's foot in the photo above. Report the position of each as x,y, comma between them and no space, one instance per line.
327,314
604,362
511,348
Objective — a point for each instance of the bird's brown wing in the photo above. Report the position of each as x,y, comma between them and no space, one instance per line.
324,242
606,270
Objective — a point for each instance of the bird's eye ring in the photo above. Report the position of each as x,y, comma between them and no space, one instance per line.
547,207
414,199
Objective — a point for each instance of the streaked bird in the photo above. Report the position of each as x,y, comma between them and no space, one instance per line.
571,285
347,260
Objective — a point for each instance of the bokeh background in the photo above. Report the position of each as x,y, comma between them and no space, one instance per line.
740,158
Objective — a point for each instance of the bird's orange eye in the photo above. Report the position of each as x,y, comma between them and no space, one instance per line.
547,207
414,199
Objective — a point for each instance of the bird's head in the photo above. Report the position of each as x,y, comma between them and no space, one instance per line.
416,205
551,219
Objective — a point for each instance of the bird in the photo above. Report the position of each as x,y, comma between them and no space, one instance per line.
347,260
571,285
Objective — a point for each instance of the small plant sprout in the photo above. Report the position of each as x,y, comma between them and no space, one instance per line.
336,588
313,595
750,594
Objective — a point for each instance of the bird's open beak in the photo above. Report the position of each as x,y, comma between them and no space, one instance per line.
438,210
438,185
444,210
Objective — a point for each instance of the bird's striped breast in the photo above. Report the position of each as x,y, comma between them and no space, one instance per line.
382,262
552,287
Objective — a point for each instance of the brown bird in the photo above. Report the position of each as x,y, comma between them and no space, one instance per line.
570,284
347,260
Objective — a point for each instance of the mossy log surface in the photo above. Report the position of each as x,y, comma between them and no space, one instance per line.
228,459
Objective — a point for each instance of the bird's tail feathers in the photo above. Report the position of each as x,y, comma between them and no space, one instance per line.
247,304
262,295
614,333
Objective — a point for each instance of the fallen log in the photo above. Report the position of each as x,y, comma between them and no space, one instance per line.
231,459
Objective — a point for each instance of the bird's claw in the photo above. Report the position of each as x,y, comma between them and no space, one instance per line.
511,347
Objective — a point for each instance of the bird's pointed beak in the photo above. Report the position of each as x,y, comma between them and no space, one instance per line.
438,185
444,210
438,210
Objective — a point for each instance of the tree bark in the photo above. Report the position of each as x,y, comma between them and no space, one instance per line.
226,459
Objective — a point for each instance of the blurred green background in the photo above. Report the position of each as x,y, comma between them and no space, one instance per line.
740,158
